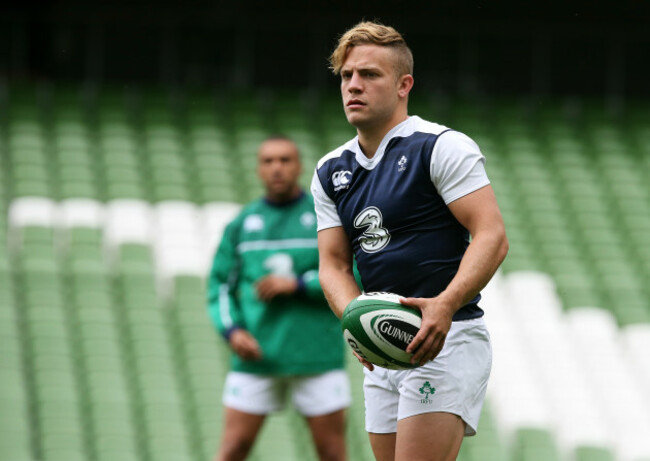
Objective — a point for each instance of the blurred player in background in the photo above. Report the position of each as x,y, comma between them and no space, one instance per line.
266,301
403,197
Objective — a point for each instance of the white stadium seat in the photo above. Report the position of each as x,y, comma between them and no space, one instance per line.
81,212
30,212
178,241
33,211
216,216
636,342
127,221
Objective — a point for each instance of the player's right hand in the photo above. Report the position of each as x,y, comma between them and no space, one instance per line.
245,345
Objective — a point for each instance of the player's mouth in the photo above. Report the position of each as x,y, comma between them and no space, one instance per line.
355,103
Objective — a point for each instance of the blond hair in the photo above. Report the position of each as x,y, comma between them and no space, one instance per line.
373,33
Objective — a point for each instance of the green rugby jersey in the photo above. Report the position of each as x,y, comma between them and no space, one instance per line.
298,334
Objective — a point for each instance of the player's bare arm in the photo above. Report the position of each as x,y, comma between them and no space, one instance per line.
335,269
479,213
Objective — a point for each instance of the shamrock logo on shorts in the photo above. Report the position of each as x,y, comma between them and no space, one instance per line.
427,390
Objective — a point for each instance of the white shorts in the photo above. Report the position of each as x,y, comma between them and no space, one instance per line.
312,395
454,382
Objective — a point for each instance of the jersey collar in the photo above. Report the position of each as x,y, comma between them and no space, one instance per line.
402,129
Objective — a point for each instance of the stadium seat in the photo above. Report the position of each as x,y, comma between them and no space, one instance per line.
636,340
178,244
82,222
32,211
127,221
216,216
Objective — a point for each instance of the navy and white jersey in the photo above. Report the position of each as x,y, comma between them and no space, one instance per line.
393,206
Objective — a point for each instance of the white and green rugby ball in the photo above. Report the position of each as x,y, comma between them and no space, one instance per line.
379,329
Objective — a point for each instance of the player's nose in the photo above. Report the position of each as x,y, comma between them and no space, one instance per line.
355,83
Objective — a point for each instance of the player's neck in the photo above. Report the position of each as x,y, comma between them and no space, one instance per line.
284,198
371,137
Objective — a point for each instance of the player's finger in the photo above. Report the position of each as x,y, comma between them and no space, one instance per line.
416,342
420,352
367,364
253,353
364,362
411,302
436,347
263,292
254,347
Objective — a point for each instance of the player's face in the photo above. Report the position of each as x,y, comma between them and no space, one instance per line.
369,86
279,168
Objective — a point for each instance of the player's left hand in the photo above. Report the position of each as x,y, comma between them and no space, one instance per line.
436,322
364,362
270,286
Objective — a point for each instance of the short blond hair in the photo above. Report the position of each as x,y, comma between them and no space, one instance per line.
373,33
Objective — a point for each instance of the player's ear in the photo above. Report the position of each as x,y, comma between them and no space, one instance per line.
404,85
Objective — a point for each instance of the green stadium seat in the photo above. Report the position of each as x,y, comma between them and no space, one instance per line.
119,153
9,331
13,396
79,156
534,445
78,189
93,315
15,446
84,236
188,285
115,175
587,453
83,299
107,388
136,255
97,347
76,173
30,173
111,425
118,454
31,188
116,191
168,177
165,192
63,449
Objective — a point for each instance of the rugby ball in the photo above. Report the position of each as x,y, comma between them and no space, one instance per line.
378,328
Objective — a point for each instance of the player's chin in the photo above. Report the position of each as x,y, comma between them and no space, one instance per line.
361,121
280,188
354,117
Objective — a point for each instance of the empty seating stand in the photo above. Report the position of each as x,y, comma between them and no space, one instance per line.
112,206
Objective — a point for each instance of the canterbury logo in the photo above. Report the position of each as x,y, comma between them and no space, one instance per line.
341,180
